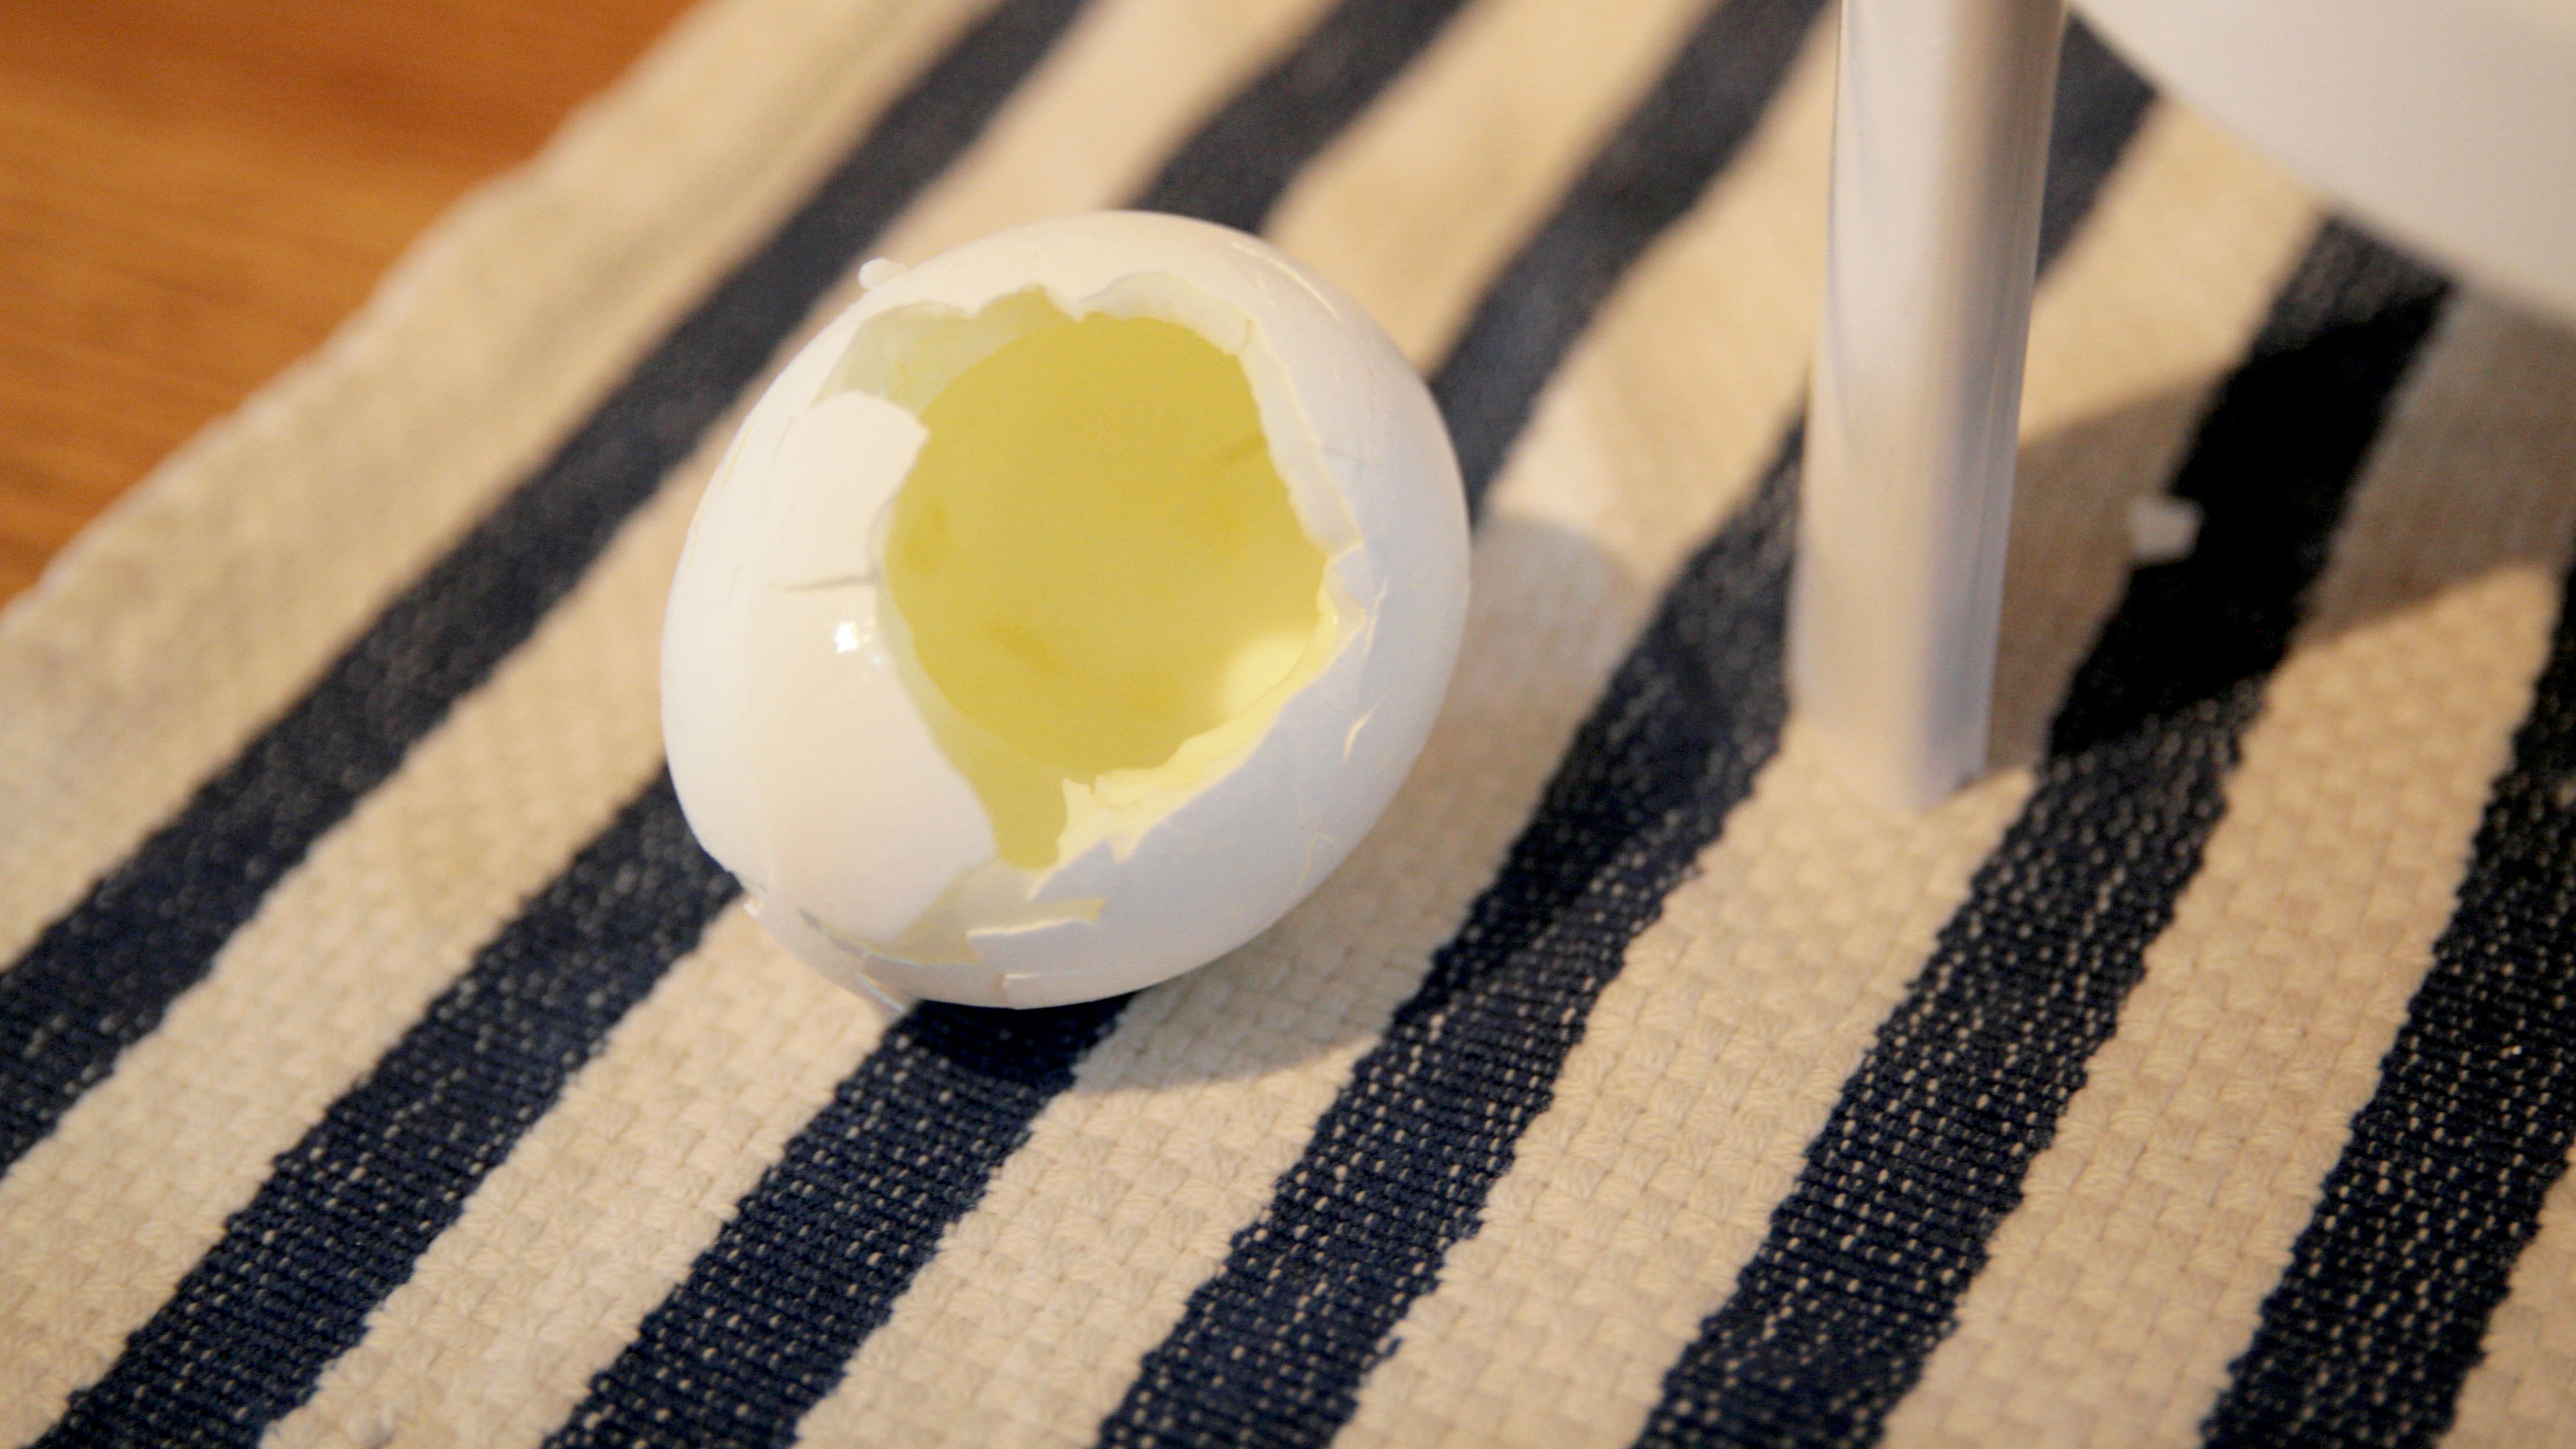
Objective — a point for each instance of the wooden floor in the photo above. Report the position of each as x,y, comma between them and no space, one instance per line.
193,192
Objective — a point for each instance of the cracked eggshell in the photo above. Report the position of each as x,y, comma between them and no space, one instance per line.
800,758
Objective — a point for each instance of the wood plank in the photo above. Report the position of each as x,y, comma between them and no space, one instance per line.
193,195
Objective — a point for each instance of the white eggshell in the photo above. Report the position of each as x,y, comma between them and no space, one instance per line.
802,761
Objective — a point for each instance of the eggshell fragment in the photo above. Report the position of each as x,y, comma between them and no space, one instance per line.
814,752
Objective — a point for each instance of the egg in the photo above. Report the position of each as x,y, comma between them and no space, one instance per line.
1063,613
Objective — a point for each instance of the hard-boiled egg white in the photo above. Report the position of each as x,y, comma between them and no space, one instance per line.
1064,613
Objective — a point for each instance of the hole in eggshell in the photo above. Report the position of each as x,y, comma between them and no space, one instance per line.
1097,575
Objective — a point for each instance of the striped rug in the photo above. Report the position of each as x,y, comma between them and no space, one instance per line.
382,1064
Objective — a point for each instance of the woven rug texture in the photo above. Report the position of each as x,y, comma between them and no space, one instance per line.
382,1064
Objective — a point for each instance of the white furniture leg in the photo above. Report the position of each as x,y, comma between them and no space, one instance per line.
1940,141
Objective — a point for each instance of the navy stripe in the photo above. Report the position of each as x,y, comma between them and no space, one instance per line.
1656,168
1924,1153
2098,106
1272,1350
816,1255
2440,1185
1238,165
101,977
1662,158
346,1211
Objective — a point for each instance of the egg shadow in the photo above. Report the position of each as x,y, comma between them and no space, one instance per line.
1541,637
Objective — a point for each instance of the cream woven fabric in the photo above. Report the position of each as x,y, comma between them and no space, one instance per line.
380,1063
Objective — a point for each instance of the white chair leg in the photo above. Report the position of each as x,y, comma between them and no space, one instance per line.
1940,142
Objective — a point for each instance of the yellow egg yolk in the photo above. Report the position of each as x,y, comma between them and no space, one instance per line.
1097,564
